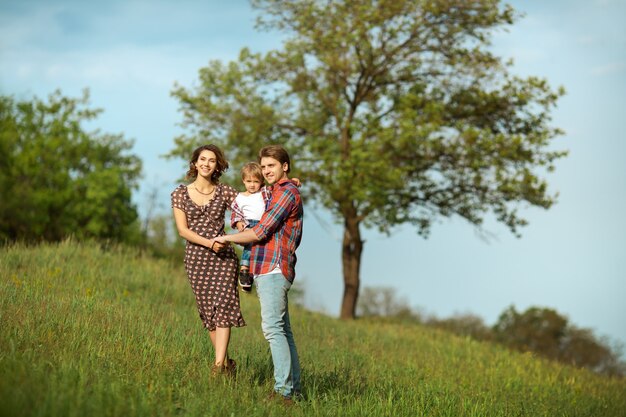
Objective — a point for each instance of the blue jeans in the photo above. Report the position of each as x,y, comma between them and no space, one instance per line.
245,254
272,291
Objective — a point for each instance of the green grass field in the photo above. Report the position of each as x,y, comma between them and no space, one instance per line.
87,332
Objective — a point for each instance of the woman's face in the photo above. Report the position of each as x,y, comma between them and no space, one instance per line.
206,164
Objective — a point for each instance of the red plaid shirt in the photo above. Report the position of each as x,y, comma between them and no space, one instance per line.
279,231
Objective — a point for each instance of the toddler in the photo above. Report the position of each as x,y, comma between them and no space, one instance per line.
247,210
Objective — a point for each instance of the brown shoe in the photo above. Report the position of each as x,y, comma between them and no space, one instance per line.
276,397
231,368
217,371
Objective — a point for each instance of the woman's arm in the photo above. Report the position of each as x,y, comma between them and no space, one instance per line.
191,236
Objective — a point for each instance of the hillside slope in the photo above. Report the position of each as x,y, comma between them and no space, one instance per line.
92,332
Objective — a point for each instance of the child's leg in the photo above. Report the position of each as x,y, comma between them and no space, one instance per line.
245,258
245,279
245,254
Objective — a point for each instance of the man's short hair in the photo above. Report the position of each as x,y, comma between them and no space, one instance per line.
278,153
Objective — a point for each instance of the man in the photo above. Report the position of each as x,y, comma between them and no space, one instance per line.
272,262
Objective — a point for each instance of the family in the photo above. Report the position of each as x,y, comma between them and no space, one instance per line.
269,221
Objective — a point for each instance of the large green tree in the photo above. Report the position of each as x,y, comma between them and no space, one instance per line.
395,112
57,179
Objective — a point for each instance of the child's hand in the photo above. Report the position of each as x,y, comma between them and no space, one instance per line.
240,226
296,182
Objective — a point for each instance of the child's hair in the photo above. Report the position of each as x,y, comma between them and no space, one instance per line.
252,169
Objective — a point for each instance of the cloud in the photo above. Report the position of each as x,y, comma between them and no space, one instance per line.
608,69
125,64
606,3
589,40
139,43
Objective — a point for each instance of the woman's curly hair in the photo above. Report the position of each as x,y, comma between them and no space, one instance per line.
220,167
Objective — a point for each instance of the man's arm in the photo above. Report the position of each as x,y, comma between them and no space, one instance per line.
247,236
270,221
275,215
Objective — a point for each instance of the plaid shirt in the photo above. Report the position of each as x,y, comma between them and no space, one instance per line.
279,231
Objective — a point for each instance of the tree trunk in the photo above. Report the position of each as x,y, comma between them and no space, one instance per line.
351,258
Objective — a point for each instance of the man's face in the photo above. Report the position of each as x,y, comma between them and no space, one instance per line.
273,171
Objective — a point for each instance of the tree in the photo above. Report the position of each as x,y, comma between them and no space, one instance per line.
547,333
383,302
395,111
539,330
58,179
161,238
463,325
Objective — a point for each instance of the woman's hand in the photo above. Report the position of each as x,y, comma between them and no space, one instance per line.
217,246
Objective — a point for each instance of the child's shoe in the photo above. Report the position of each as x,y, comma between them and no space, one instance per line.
245,280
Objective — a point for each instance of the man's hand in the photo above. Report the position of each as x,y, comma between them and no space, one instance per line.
218,245
221,241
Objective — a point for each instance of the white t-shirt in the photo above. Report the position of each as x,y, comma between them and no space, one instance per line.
252,206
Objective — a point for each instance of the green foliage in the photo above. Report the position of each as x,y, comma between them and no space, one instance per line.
469,325
162,239
395,111
547,333
93,332
58,179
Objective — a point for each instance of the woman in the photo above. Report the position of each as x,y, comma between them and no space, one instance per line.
199,209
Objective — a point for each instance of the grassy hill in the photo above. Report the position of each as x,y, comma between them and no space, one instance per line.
91,332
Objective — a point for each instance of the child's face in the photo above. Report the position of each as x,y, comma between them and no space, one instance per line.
252,184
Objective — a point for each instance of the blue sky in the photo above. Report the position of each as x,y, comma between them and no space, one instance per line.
571,257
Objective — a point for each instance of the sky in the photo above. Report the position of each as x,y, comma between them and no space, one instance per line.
572,257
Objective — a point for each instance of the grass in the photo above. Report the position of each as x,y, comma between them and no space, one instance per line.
92,332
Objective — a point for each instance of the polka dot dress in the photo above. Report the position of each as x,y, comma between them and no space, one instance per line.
213,276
